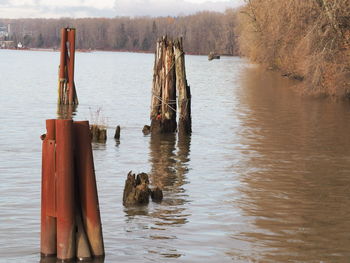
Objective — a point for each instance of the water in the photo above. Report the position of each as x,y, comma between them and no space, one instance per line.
263,178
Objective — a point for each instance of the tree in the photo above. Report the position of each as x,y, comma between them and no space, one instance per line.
121,37
27,39
145,44
40,41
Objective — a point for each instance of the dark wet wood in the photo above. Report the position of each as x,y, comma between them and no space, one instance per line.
98,133
137,191
117,133
157,194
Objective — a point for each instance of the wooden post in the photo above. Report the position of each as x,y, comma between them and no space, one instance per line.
163,104
169,91
66,87
169,77
117,133
183,90
156,102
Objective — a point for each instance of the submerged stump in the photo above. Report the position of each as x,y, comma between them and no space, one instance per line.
212,56
137,191
98,133
157,194
146,130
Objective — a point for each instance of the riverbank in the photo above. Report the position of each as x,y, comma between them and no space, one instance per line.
308,41
108,50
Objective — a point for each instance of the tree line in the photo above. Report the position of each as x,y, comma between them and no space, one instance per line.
307,39
202,32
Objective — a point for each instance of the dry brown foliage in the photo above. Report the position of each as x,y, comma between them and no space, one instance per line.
305,39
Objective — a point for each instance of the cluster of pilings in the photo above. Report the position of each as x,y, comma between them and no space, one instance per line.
169,80
66,86
70,217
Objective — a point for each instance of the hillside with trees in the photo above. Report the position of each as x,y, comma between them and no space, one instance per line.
307,40
202,32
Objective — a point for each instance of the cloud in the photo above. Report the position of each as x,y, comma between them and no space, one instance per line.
108,8
170,7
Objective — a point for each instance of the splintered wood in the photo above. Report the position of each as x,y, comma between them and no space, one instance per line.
169,79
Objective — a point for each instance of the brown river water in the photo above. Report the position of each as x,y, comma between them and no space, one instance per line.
265,176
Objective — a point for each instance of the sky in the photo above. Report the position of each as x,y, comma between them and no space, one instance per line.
109,8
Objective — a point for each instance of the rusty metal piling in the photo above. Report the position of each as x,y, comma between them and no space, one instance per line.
48,196
65,189
88,189
70,217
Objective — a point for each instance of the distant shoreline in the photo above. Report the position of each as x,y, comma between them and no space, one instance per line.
103,50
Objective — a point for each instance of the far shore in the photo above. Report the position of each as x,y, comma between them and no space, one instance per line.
103,50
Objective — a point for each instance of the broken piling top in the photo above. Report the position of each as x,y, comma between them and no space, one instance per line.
66,87
163,105
169,78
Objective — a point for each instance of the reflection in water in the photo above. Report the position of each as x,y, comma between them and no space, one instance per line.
55,260
296,186
66,111
168,172
98,146
169,166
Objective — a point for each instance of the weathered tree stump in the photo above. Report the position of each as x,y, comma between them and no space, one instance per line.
163,105
98,133
169,78
146,130
183,90
137,191
157,194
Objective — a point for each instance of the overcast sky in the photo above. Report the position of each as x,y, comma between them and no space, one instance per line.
108,8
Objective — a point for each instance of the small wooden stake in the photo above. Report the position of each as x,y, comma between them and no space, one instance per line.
117,133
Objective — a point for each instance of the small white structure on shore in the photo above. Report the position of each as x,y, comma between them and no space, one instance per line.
19,45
